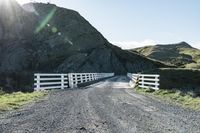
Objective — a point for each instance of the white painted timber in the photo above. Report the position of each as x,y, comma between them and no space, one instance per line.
78,78
144,80
45,81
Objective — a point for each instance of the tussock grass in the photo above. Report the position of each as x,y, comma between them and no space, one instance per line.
16,100
174,96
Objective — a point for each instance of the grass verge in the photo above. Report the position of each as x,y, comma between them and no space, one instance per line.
177,97
16,100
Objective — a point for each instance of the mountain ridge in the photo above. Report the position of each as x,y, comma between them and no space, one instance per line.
180,44
180,54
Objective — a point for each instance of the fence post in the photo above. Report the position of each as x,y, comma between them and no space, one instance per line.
62,81
142,80
81,77
71,82
156,82
93,76
38,82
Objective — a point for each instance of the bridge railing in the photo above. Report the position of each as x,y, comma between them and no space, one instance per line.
77,78
45,81
144,80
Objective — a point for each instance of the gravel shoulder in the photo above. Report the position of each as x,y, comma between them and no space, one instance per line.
109,106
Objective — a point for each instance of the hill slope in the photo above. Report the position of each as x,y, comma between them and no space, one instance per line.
47,38
180,54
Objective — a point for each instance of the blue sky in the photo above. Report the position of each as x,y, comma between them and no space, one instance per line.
134,23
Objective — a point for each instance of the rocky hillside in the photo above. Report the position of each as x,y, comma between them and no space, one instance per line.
180,54
45,38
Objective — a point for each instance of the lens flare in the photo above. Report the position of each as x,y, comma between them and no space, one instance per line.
54,29
46,20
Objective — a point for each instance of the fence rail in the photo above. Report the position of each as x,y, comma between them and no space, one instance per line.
61,81
50,81
77,78
144,80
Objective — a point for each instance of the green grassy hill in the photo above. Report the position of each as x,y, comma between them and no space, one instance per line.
180,54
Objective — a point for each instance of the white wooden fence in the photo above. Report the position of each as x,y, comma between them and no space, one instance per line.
77,78
144,80
62,81
50,81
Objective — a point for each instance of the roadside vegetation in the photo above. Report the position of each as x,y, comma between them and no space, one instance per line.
185,80
174,96
17,99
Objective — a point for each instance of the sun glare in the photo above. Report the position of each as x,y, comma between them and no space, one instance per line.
23,1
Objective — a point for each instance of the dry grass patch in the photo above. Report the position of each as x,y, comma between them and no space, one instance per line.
178,97
16,100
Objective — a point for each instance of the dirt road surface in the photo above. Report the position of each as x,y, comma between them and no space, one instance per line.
109,106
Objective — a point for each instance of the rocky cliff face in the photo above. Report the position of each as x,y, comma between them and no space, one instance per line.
46,38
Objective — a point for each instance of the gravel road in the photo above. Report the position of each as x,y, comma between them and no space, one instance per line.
109,106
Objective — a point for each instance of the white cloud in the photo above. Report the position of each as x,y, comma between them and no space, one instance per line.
134,44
